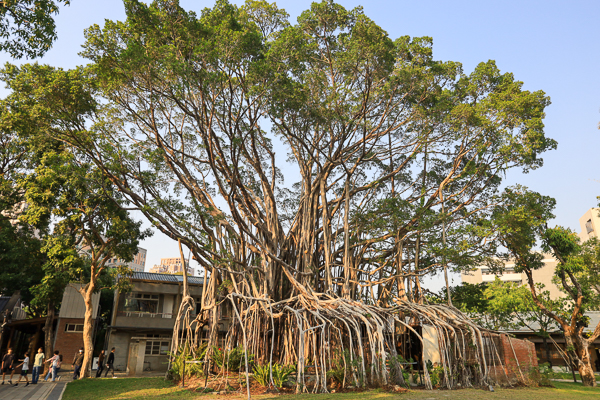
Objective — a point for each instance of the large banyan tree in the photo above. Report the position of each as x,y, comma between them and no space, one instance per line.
316,171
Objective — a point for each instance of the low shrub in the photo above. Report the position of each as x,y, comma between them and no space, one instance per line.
343,365
281,374
541,375
190,369
232,360
261,374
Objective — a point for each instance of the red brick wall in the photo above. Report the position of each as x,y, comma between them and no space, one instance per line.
517,354
68,343
524,350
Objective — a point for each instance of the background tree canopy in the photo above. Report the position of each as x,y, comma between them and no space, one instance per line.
27,28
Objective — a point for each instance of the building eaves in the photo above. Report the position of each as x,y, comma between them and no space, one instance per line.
165,278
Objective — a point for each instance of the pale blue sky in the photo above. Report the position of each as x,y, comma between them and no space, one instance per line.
549,45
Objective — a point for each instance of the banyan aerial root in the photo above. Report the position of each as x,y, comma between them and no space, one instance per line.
321,334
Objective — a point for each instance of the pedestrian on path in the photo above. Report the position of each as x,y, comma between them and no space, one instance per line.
7,365
110,362
24,369
77,363
37,366
100,364
55,363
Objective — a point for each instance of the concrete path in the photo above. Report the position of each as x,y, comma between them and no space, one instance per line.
41,391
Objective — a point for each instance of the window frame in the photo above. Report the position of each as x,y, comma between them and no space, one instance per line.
75,328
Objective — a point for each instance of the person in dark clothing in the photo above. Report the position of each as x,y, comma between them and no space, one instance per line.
7,365
100,364
77,363
110,362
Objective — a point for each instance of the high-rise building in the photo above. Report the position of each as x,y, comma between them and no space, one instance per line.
137,264
590,224
172,266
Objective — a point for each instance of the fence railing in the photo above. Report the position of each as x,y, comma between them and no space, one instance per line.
143,314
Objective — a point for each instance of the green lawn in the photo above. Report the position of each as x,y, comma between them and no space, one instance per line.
158,388
569,376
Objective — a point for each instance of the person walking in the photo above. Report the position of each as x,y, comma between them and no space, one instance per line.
110,363
77,363
54,367
37,365
24,369
7,365
100,364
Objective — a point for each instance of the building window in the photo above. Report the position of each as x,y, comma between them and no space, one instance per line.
588,226
74,328
157,345
141,302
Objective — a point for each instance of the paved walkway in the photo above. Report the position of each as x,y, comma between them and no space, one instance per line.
41,391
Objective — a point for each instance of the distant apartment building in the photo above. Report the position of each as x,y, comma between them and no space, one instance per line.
171,266
590,227
590,224
138,263
543,275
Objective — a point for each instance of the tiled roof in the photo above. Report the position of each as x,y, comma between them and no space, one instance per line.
167,278
594,320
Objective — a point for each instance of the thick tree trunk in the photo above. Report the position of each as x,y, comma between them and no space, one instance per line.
547,348
49,335
585,365
578,346
88,327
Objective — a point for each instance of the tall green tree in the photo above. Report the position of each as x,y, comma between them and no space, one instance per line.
91,223
92,227
520,220
27,27
514,305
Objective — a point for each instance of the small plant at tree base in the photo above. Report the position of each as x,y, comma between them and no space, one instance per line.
190,369
541,375
261,374
345,366
436,373
281,374
233,360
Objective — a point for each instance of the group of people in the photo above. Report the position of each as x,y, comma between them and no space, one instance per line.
10,359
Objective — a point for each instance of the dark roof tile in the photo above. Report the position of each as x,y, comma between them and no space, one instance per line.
167,278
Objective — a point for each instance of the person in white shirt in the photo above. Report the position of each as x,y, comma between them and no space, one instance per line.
55,366
24,370
37,366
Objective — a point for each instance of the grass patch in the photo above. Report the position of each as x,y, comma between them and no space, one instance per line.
569,376
125,389
158,388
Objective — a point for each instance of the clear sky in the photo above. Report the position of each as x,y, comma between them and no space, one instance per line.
549,45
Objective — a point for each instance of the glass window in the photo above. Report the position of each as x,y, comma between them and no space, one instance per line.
588,226
74,328
141,302
157,347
